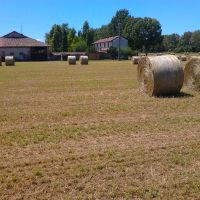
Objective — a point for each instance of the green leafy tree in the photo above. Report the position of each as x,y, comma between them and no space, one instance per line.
90,37
131,34
102,32
113,52
64,43
148,33
85,29
120,19
79,45
87,34
71,37
57,39
171,42
195,41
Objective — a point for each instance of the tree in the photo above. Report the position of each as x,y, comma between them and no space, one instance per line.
113,52
85,29
171,42
64,43
148,33
122,16
87,34
71,36
57,39
130,34
102,32
79,45
90,37
195,41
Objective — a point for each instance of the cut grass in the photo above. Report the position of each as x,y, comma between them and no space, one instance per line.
74,132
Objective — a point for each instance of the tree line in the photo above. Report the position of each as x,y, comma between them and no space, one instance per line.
143,34
188,42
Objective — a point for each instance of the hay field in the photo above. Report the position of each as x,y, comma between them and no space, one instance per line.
85,132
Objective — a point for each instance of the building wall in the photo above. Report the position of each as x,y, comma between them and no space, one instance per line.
123,43
18,53
115,43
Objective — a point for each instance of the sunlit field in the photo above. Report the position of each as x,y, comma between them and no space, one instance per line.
86,132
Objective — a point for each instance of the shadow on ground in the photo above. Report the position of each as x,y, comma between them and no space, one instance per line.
179,95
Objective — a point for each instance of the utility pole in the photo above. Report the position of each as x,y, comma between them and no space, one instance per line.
119,40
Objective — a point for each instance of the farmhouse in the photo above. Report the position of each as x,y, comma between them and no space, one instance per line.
22,47
103,45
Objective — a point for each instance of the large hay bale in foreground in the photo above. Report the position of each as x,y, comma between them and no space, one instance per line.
84,60
192,74
162,75
9,61
135,60
71,60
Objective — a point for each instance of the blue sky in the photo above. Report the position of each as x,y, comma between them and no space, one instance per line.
37,16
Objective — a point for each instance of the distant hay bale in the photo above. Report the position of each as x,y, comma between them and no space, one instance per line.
161,75
143,55
172,54
84,60
159,54
179,57
183,58
192,74
71,60
135,60
9,61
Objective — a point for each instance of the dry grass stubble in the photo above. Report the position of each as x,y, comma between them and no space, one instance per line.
87,133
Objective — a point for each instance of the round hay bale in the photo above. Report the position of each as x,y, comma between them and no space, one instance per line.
135,60
159,54
143,55
183,58
162,75
10,61
179,57
172,54
192,74
71,60
84,60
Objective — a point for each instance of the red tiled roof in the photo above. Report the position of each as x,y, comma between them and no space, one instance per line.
15,39
110,39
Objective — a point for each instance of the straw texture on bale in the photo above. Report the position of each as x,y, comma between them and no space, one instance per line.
71,60
192,74
9,61
84,60
135,60
162,75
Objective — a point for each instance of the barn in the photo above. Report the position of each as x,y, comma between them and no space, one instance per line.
23,48
103,45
